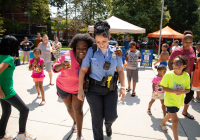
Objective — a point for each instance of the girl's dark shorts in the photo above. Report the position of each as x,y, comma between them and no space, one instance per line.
172,109
63,94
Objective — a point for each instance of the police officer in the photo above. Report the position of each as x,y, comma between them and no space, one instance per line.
101,98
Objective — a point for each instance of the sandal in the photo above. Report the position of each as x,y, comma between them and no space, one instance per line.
74,128
164,128
133,94
189,116
128,90
51,84
42,103
149,112
80,138
39,96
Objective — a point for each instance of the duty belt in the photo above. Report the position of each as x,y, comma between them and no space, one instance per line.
93,81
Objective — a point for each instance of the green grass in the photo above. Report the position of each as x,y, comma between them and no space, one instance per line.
65,48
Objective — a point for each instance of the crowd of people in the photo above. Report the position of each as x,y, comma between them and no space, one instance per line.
93,71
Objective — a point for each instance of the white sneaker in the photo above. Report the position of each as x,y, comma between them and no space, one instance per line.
25,136
8,137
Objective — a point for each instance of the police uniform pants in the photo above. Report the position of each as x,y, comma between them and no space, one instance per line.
103,105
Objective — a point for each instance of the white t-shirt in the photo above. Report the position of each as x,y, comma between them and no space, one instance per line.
175,47
132,62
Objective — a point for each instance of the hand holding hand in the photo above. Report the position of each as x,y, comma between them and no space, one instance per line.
122,94
81,94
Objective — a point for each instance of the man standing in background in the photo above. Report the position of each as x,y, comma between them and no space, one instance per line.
37,40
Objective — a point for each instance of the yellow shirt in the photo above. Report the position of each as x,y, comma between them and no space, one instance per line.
174,82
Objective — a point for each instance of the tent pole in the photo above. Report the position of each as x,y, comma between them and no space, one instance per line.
161,27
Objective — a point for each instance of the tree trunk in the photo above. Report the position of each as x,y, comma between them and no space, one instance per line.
49,28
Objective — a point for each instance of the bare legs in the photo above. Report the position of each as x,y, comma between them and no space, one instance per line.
162,104
50,76
174,123
198,94
163,107
39,88
75,110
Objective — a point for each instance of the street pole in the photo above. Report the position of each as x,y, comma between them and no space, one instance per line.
161,27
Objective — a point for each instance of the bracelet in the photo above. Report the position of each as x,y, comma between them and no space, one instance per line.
123,88
81,88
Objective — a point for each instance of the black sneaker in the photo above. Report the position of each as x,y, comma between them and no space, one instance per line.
109,132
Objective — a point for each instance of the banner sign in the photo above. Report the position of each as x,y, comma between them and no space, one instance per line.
146,57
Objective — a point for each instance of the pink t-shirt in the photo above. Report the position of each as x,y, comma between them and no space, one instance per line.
189,54
68,79
36,72
156,80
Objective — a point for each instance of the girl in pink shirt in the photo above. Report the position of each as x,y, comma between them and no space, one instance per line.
37,65
67,82
158,92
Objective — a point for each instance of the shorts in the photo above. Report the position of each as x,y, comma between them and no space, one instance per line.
172,109
38,79
62,94
163,63
160,96
132,74
48,66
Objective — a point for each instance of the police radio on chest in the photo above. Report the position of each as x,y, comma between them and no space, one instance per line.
106,65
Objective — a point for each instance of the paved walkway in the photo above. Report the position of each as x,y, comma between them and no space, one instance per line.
52,122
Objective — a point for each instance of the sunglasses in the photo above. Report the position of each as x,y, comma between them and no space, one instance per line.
177,63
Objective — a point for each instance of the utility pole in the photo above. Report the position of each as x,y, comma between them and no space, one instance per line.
161,27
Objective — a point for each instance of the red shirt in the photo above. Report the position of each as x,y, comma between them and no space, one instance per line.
189,54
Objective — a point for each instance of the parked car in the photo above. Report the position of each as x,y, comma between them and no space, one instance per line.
112,41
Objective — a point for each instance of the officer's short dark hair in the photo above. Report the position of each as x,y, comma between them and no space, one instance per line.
101,27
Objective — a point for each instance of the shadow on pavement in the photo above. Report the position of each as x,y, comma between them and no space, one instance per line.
68,136
196,106
60,100
129,100
156,126
33,90
33,105
107,138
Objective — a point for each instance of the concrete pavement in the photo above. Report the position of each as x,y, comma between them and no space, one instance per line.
52,121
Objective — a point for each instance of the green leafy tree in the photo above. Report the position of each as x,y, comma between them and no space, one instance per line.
143,13
2,30
184,14
13,25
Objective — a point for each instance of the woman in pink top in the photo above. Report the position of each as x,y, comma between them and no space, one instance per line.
187,51
67,82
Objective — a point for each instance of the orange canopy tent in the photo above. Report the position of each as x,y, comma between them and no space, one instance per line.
166,32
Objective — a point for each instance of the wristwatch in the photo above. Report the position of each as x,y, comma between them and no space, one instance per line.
123,88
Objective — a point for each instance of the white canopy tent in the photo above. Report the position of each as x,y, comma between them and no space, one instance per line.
118,26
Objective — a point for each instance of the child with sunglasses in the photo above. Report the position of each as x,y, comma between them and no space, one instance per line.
175,83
